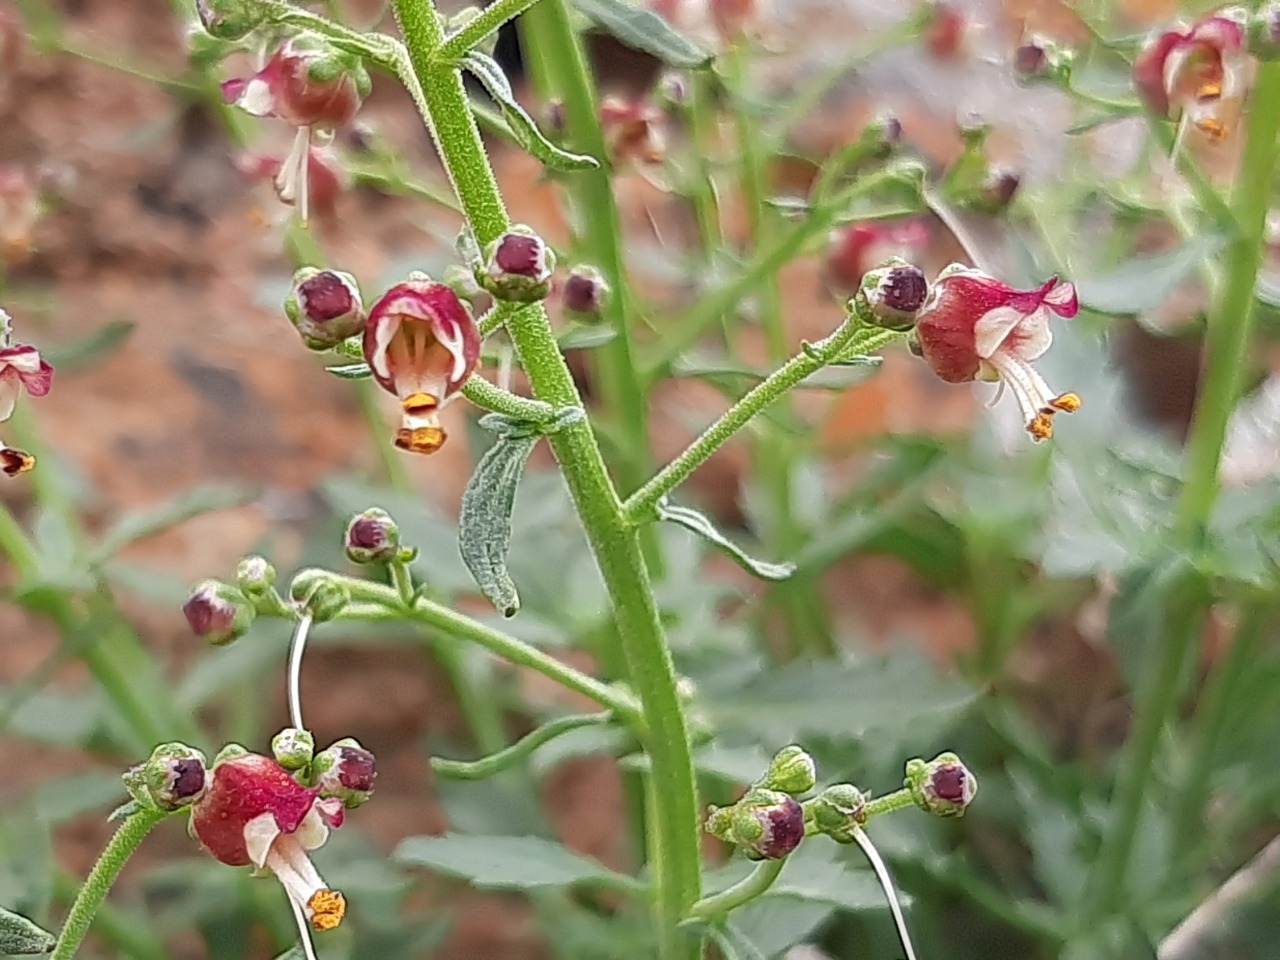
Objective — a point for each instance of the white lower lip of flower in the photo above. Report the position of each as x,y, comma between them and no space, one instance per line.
291,181
8,396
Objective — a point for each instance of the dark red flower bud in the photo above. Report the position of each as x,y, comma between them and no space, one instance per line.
372,537
585,292
217,612
890,296
945,31
174,777
325,307
766,824
346,771
518,267
944,786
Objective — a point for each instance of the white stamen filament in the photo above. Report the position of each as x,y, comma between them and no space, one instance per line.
291,181
886,884
296,648
304,929
1032,393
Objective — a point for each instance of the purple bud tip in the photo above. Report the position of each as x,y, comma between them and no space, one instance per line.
188,778
904,289
950,783
1001,187
367,533
1030,59
783,829
207,613
584,290
520,255
326,296
356,769
891,128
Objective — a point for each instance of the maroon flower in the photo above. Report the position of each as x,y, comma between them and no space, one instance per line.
973,327
372,537
345,771
21,368
14,461
254,812
1198,72
518,266
421,343
585,292
634,130
217,612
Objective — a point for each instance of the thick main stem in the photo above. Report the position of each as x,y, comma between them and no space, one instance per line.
676,868
100,879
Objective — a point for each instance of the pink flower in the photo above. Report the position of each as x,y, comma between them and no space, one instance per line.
855,248
254,812
309,85
21,368
325,179
944,32
973,327
421,343
634,130
1195,71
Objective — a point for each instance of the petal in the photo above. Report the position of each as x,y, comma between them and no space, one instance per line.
259,834
240,789
1149,69
313,831
254,97
1062,299
994,327
9,389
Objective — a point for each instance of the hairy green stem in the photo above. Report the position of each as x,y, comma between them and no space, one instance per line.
100,879
121,930
523,748
889,803
484,394
753,885
676,869
478,28
849,338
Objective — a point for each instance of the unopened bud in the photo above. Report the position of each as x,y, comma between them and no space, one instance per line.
1041,59
293,748
890,296
172,778
319,593
1264,32
518,266
882,135
998,189
345,770
766,824
231,19
838,811
943,786
585,292
325,307
791,771
255,577
673,89
217,612
372,537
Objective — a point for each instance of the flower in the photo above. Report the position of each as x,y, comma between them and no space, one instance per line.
217,612
325,179
891,295
518,266
21,368
421,343
854,248
174,777
585,292
14,461
1196,72
254,812
372,537
345,771
973,327
944,30
309,85
634,130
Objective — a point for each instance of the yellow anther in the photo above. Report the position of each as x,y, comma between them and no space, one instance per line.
14,462
1214,129
417,404
420,439
1209,90
1067,402
327,908
1041,426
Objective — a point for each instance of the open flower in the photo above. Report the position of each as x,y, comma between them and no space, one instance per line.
1199,72
14,461
421,343
254,812
326,179
21,368
973,327
311,86
634,130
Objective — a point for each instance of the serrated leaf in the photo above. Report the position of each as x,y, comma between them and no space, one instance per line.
484,525
20,937
351,371
1143,283
510,863
526,133
645,31
695,522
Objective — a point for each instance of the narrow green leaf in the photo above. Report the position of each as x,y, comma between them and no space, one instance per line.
124,811
695,522
525,132
87,351
144,523
586,337
645,31
1143,283
484,535
513,863
351,371
20,937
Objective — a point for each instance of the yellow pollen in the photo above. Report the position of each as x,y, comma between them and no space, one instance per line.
1209,90
327,907
420,439
417,404
1067,402
17,461
1214,129
1041,426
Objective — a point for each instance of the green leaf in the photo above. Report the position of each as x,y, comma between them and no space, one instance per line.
645,31
1143,283
508,863
87,351
20,937
586,337
484,525
144,523
351,371
68,797
525,132
843,700
695,522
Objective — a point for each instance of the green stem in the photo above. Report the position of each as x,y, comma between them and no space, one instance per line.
121,930
753,885
448,621
889,803
484,394
849,338
477,29
520,750
100,879
402,581
676,869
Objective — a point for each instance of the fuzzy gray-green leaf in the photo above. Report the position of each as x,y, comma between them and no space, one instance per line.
694,521
484,535
645,31
523,129
20,937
